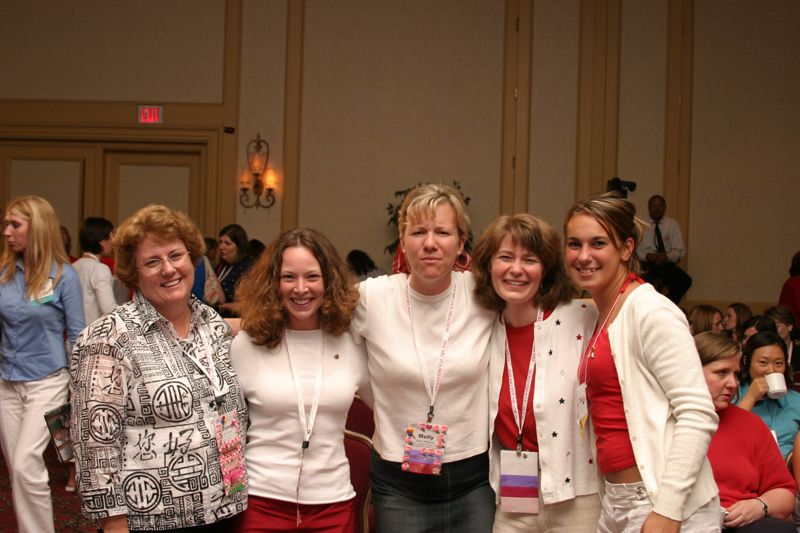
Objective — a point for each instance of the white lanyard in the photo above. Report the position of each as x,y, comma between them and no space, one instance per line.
308,425
224,271
208,371
519,420
590,350
434,389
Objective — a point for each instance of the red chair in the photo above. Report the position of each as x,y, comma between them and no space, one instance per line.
358,449
360,418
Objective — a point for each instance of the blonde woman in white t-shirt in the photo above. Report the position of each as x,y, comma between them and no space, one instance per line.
427,341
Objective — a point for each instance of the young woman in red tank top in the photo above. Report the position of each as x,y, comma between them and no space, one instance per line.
647,399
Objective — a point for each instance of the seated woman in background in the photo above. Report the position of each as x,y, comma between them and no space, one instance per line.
784,325
299,368
705,318
756,489
753,325
765,353
537,341
234,262
736,315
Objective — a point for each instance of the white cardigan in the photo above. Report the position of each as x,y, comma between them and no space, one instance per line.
668,408
566,461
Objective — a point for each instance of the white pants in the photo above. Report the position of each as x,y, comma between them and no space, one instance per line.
626,507
23,438
570,516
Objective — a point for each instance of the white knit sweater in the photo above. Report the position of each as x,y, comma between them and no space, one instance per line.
668,408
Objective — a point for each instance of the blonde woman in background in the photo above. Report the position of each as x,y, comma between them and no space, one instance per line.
40,299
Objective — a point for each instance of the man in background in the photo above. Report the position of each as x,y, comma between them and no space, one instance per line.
660,251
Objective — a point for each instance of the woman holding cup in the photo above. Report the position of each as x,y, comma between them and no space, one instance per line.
765,372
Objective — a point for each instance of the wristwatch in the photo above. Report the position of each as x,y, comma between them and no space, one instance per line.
764,505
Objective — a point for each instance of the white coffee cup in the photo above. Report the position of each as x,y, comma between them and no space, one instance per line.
776,385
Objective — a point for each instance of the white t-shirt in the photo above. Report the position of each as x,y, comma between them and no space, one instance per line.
97,287
275,435
382,319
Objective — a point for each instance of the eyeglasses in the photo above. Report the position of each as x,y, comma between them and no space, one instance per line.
155,264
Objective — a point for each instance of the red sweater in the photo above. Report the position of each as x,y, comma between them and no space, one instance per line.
745,458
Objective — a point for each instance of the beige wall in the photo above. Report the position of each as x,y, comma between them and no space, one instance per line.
392,93
643,71
554,108
404,95
114,50
262,103
745,221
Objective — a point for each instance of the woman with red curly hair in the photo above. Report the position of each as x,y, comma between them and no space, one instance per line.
299,369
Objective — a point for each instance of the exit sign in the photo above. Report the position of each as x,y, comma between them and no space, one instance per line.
150,114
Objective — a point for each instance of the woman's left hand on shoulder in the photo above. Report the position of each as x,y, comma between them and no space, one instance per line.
743,512
656,523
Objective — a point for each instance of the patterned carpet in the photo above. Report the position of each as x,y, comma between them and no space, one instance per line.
66,508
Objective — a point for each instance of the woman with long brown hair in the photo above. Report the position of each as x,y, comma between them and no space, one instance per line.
299,369
649,404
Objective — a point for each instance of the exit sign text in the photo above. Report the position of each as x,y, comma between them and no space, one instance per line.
150,114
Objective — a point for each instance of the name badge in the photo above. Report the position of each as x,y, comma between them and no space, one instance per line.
231,452
47,295
519,482
424,448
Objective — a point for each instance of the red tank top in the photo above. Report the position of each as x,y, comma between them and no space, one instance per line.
614,450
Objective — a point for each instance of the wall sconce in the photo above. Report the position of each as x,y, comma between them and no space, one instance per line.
257,160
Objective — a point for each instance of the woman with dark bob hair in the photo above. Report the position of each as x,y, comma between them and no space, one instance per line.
756,489
300,369
519,273
649,404
158,416
765,353
234,262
